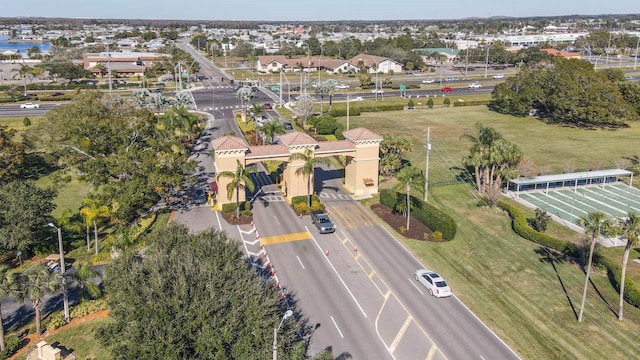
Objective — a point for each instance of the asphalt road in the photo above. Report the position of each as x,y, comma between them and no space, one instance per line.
355,286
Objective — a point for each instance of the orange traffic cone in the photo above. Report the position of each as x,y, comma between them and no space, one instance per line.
326,252
355,248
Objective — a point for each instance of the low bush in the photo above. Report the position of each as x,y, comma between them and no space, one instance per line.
55,321
11,346
471,103
87,307
434,218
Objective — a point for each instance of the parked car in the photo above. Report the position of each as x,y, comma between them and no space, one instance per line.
428,81
268,106
446,89
434,283
200,196
287,125
322,222
474,86
498,76
29,106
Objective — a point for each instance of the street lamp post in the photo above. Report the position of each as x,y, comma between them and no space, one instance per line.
62,270
286,315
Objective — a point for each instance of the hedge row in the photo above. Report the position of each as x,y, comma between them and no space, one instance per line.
522,228
434,218
356,110
471,103
614,271
231,207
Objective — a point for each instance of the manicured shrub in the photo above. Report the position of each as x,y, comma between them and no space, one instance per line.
434,218
11,346
87,307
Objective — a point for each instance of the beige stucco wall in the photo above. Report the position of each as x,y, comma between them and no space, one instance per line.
227,161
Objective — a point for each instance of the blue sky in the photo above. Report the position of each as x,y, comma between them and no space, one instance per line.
288,10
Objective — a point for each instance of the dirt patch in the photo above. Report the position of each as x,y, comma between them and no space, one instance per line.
231,218
398,222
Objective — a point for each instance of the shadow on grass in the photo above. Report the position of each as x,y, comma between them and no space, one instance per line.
546,256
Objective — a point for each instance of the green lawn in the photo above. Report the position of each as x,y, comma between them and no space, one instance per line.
17,122
80,339
507,281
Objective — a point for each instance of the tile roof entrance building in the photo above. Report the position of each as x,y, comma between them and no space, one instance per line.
361,149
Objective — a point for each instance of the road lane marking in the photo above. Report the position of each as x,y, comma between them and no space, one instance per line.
338,275
432,351
300,261
277,221
415,286
337,328
400,334
278,239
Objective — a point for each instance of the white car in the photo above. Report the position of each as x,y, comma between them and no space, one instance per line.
377,91
29,106
434,283
341,86
428,81
474,86
498,76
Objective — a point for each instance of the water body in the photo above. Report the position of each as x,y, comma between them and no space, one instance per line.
22,47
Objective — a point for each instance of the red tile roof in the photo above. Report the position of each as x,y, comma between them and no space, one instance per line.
229,143
335,146
296,138
361,134
267,151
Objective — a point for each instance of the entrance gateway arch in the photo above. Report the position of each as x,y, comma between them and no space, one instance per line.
361,149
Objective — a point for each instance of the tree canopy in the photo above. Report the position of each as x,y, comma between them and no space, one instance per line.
193,297
568,92
24,214
132,154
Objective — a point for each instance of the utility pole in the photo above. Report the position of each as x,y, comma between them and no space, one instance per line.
347,111
635,61
426,176
280,87
486,63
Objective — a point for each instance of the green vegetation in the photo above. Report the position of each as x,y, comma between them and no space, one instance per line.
568,92
528,296
199,300
81,338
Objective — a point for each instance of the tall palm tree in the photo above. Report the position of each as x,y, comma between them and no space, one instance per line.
594,224
630,228
310,162
92,212
23,71
238,178
410,177
7,289
271,128
83,273
35,283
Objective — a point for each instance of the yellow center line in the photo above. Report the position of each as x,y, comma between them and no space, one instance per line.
277,239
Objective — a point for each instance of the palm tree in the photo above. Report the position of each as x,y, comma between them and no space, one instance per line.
630,228
271,128
238,178
23,71
310,162
410,177
83,273
35,282
92,212
594,224
7,288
